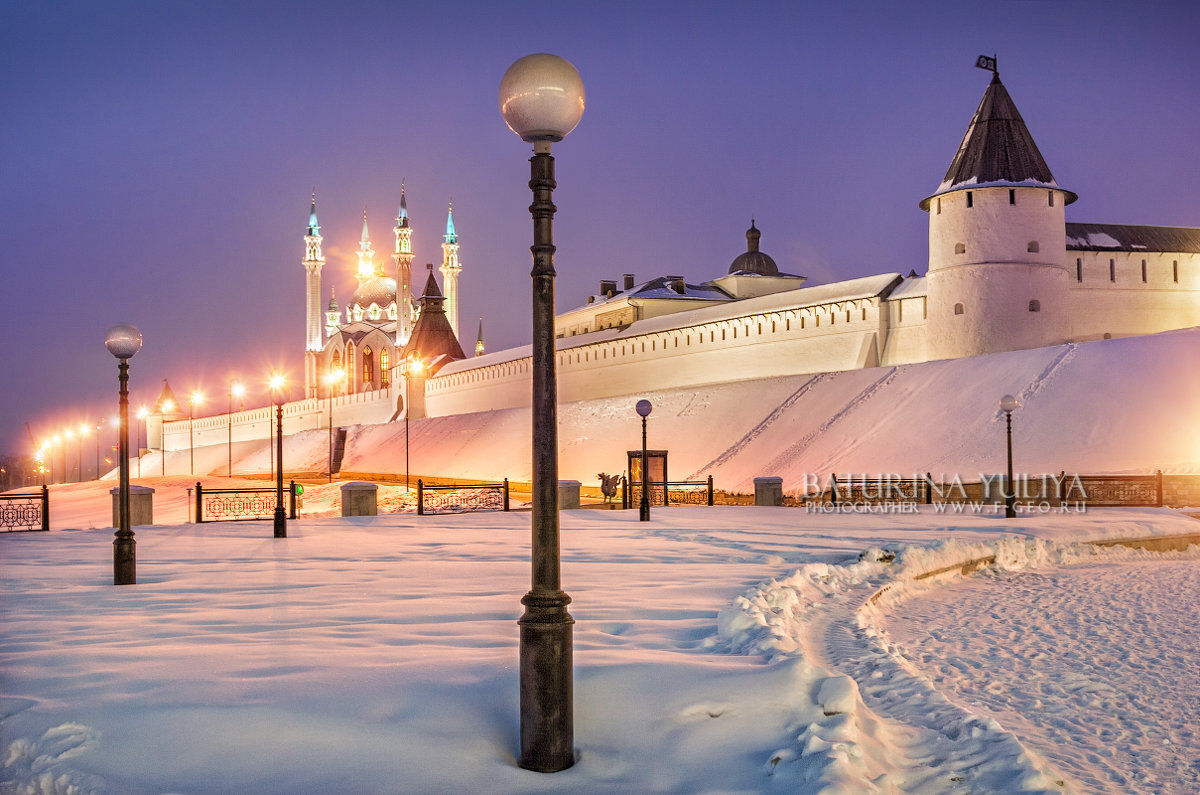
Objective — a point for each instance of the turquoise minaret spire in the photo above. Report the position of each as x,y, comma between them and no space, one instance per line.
450,270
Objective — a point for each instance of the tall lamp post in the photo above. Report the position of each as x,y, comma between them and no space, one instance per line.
411,366
196,397
142,413
1007,404
644,408
123,341
542,99
331,380
98,426
277,383
167,405
235,390
83,431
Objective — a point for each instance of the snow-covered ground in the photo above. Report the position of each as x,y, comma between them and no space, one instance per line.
731,649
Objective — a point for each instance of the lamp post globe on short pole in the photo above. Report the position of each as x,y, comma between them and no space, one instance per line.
644,408
1008,404
542,99
123,341
277,384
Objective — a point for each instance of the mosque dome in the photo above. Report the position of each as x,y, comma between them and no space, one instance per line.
754,261
379,290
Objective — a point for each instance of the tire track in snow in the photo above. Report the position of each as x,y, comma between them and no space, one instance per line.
795,449
737,447
1039,382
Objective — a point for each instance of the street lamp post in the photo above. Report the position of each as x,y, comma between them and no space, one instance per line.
123,341
331,380
83,429
277,384
142,413
97,450
235,390
410,367
193,399
644,408
542,99
1007,404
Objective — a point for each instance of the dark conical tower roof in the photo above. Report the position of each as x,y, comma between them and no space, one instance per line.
997,149
432,336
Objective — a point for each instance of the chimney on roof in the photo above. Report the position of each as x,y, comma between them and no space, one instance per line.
608,287
628,277
676,284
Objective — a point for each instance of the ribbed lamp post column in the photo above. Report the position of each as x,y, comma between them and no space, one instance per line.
1008,404
123,341
542,99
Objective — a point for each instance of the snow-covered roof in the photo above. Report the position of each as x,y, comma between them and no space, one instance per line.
660,288
1127,237
997,150
911,287
849,290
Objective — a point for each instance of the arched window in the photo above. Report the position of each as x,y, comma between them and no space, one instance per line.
385,376
336,363
368,366
1032,248
960,248
1035,305
958,309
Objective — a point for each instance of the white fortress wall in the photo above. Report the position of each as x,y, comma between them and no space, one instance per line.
362,408
717,346
1109,296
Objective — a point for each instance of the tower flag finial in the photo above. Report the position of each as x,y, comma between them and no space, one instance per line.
984,62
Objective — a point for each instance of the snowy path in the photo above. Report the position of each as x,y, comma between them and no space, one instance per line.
1096,667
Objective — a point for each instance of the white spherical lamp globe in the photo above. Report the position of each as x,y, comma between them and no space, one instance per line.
1008,403
123,340
541,97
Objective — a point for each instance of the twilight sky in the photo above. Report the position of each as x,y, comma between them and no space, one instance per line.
156,159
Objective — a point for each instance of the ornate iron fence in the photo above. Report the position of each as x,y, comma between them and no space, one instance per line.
676,492
25,512
1112,490
461,497
239,505
880,491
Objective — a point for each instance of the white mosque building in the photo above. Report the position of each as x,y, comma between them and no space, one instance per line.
1006,271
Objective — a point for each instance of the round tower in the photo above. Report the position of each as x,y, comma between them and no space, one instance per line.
998,277
450,270
314,260
403,257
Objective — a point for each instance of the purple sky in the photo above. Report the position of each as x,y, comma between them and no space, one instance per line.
156,159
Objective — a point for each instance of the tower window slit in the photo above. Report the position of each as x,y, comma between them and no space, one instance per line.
1143,271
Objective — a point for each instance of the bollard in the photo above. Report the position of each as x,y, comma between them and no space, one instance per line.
768,491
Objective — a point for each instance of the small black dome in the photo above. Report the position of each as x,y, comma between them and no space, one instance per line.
754,261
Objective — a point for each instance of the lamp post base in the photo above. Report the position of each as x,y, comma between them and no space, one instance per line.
547,711
280,522
124,560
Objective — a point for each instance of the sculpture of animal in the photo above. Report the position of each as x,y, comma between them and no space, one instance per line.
608,486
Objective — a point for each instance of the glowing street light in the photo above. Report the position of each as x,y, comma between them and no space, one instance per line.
1008,404
277,384
236,390
123,341
542,99
332,379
